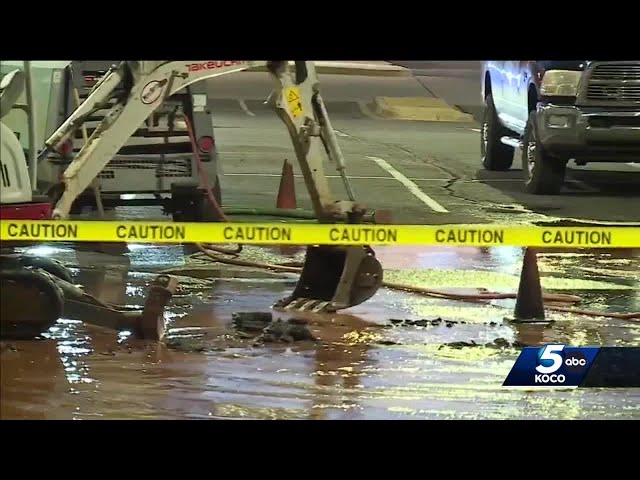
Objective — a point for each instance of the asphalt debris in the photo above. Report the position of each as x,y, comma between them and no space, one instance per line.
498,343
251,322
281,331
193,345
406,322
264,329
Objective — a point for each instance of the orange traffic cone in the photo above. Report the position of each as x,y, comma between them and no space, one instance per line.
287,200
529,302
287,190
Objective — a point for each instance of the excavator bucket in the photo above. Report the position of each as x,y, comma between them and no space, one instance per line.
335,278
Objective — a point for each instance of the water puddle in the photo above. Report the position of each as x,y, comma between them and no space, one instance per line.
399,355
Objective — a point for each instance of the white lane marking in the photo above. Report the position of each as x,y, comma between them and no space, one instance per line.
245,109
373,177
634,165
341,134
412,187
355,177
475,130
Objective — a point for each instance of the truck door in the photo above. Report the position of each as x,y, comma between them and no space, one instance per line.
496,72
521,93
514,112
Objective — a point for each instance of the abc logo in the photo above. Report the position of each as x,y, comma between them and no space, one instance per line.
575,362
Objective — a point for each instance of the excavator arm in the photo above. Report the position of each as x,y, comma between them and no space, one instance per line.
333,278
141,87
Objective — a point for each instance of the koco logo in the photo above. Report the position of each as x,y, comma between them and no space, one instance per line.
551,358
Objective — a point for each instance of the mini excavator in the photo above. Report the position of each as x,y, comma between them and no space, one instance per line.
333,278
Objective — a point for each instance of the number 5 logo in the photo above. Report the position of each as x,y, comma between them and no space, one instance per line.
549,359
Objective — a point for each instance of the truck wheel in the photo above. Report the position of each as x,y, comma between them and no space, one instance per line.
496,155
543,174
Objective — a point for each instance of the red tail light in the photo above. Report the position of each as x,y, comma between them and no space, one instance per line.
206,144
66,149
26,211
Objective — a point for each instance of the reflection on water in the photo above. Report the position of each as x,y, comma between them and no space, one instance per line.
356,369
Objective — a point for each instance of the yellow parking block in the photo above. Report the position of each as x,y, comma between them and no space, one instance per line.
419,109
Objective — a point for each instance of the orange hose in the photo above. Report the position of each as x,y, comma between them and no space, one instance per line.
209,190
479,297
591,313
557,297
246,263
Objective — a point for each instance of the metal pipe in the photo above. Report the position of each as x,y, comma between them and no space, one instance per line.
33,152
85,139
334,147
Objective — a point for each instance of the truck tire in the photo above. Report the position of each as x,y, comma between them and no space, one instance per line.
496,156
543,173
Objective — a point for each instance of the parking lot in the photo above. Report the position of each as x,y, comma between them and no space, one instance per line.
399,355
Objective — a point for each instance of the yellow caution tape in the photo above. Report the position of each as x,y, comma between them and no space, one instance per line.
318,234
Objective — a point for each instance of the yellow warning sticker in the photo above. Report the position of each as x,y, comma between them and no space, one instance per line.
318,234
295,102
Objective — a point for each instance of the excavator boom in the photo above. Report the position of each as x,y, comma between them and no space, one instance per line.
349,275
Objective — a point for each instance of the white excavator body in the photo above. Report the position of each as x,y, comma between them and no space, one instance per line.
333,278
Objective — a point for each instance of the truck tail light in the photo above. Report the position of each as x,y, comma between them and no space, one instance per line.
66,149
206,144
26,211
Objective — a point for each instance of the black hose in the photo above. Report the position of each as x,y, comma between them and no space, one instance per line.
271,212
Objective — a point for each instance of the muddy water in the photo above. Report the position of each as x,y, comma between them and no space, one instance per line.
360,365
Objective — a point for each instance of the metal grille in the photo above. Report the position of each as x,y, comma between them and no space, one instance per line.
615,82
163,168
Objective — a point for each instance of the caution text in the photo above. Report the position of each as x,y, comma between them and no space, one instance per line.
470,236
364,235
577,237
42,231
151,232
259,234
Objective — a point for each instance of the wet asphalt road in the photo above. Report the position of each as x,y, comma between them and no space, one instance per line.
441,159
357,366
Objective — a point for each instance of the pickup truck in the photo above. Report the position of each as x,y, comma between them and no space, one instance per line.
556,111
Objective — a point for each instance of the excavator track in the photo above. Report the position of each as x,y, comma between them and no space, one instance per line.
30,303
16,262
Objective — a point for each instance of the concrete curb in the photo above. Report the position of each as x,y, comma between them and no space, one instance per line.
420,109
351,68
